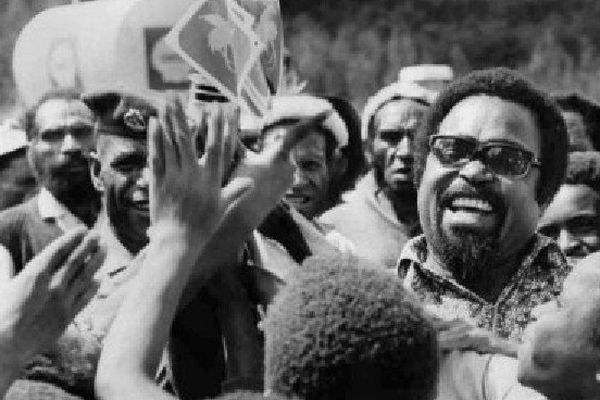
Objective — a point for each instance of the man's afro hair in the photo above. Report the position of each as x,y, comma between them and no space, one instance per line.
584,169
335,324
589,110
508,85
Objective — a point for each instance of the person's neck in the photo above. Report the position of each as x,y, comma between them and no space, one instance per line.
489,287
86,206
86,212
404,205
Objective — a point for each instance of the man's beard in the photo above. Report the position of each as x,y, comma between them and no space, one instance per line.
71,189
470,256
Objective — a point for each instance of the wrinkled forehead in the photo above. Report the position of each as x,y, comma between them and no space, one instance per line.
400,113
493,118
61,112
110,147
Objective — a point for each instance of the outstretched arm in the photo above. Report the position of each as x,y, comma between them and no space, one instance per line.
37,305
187,204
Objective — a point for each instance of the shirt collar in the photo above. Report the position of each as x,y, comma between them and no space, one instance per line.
415,252
51,209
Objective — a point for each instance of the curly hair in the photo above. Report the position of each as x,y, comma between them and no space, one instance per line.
584,169
508,85
336,324
589,110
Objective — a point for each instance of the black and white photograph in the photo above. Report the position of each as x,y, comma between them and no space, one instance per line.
299,200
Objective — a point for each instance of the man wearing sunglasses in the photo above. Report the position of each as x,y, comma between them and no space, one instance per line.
490,156
59,130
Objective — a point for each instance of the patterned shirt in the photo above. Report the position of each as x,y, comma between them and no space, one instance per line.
538,280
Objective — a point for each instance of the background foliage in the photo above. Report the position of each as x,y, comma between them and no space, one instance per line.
352,47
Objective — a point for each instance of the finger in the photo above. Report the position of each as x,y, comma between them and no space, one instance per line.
84,297
54,255
183,135
230,140
172,164
214,145
76,260
298,132
156,151
236,189
86,274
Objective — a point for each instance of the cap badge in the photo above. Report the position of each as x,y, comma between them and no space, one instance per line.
134,120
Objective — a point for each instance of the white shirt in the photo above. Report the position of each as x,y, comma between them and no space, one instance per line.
466,375
50,210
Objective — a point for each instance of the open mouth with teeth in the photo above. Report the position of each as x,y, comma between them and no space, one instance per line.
471,204
470,212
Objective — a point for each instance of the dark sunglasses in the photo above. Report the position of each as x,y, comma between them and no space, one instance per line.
500,158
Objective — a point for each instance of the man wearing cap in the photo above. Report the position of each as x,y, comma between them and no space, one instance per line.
380,214
491,154
59,128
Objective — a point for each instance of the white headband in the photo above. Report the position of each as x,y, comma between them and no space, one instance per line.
302,106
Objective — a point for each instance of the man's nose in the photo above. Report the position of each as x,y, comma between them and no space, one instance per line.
475,171
299,177
404,147
144,178
567,241
70,144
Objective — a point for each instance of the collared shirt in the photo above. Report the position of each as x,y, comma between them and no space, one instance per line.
52,212
538,280
367,218
52,209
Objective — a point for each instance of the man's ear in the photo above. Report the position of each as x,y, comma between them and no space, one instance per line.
95,168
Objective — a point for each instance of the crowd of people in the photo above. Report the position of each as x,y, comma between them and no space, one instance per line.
440,246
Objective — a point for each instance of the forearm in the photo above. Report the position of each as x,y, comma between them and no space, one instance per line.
112,385
140,331
222,250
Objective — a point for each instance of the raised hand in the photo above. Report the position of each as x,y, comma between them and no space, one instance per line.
186,193
270,171
37,305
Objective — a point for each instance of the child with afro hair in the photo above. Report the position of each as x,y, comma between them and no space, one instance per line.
339,331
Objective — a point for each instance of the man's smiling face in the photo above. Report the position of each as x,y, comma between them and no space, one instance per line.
470,215
123,178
